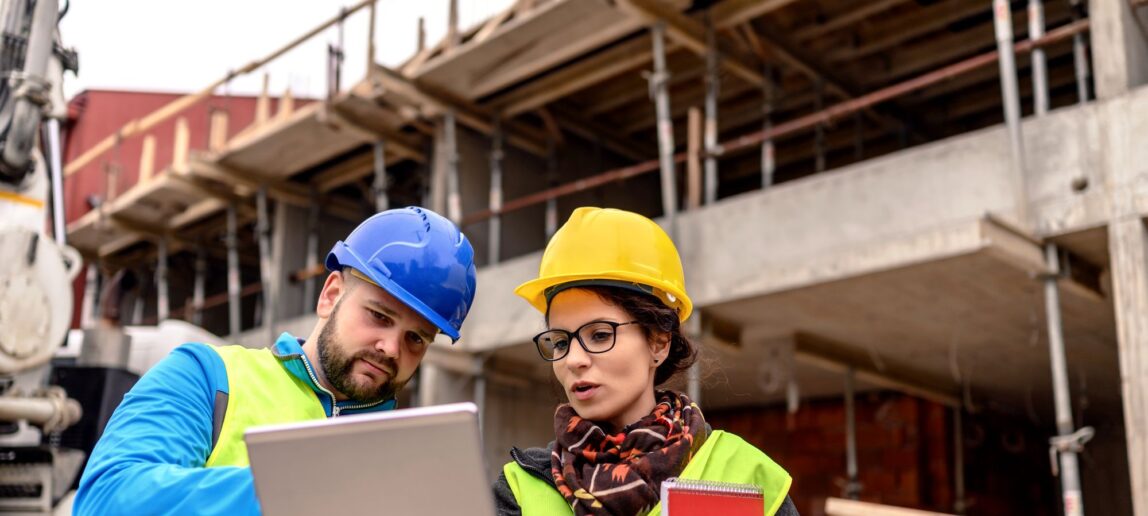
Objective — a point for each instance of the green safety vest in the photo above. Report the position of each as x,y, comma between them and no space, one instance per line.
724,457
261,392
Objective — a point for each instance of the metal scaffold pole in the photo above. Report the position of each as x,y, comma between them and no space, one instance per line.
312,252
665,126
958,462
551,181
266,263
768,162
711,124
1068,442
198,289
493,252
1039,68
852,488
1079,55
819,130
162,303
380,184
453,197
233,285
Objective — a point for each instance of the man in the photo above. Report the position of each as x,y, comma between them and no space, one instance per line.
175,443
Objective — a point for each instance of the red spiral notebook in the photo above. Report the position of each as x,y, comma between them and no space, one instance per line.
685,497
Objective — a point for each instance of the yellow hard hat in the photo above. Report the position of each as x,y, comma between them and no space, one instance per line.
604,246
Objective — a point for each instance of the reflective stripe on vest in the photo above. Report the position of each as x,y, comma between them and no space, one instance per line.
724,457
261,392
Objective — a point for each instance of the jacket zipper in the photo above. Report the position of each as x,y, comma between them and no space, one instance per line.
335,410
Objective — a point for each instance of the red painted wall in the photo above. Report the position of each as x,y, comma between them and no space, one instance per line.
95,114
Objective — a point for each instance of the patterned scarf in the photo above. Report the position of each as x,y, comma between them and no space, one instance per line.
622,473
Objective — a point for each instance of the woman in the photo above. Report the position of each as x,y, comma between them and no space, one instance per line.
613,295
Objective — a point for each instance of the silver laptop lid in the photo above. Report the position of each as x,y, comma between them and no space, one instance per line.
425,460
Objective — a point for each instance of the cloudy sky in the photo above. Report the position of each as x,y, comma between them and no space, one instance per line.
183,46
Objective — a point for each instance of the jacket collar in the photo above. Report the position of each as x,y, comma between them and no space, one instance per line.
289,350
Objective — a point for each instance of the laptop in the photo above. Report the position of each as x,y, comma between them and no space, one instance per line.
425,460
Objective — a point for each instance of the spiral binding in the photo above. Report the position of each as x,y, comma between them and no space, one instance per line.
713,486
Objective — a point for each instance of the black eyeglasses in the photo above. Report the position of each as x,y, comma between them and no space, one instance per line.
594,336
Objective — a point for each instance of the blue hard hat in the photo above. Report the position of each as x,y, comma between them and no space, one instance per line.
419,257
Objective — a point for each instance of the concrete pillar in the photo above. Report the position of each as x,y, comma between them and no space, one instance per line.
1119,47
289,246
1128,247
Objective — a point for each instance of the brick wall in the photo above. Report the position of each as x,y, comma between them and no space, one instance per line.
904,455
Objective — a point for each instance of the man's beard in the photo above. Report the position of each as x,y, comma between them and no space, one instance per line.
337,367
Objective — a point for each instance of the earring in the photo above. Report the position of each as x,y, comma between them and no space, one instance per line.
655,361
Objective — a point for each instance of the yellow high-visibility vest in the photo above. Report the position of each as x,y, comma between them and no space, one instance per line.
261,392
724,457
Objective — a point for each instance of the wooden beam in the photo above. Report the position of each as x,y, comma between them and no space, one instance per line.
731,13
694,159
946,48
609,136
245,184
864,10
147,159
397,143
691,35
619,94
837,357
493,24
895,31
350,170
793,55
642,117
141,125
431,103
575,77
844,507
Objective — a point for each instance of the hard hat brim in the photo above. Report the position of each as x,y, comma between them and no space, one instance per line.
342,256
534,291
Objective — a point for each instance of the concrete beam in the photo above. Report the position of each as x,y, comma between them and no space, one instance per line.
1119,46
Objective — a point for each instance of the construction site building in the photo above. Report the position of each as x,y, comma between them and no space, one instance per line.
913,229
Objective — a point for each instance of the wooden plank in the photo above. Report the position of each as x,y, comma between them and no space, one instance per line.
904,28
832,356
217,131
351,170
865,10
283,148
147,159
430,102
592,130
691,35
141,125
494,23
944,49
263,103
694,159
731,13
795,56
575,77
843,507
182,142
641,117
543,37
686,68
286,104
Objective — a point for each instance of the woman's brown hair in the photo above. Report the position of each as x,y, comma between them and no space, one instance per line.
655,318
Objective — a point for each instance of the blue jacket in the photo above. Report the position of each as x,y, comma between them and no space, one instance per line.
150,457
